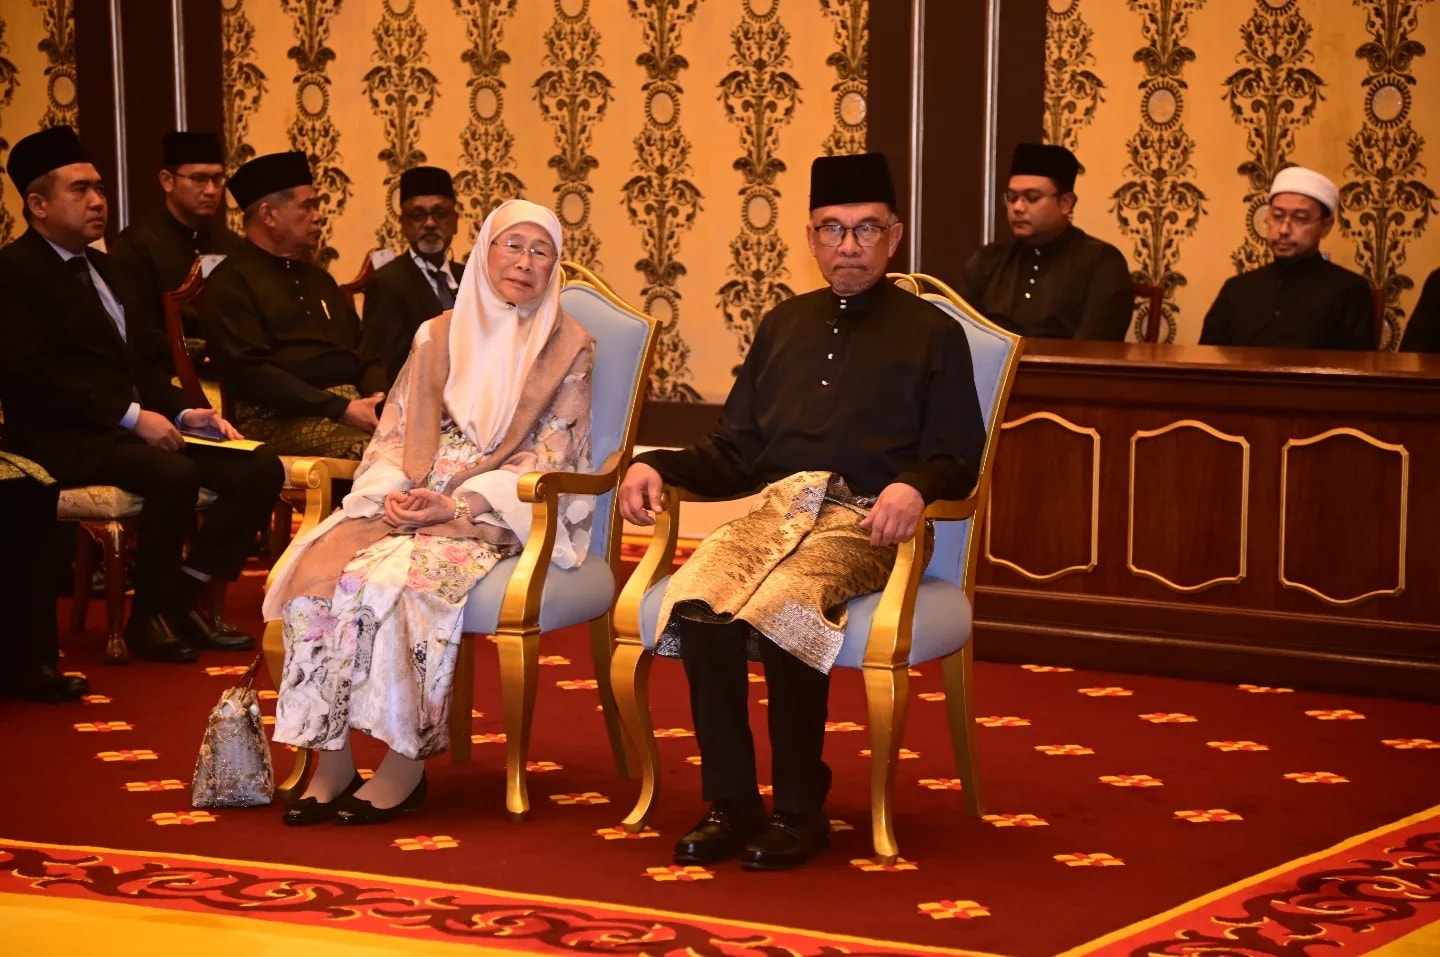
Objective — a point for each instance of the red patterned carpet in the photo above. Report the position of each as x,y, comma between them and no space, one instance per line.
1112,799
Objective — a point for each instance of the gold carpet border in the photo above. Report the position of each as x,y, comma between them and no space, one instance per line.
1280,869
401,883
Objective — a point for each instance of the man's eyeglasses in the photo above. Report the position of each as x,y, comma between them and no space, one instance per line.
203,179
1031,196
421,216
833,234
540,255
1299,218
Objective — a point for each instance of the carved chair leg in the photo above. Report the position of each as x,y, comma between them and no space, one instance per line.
111,536
958,675
602,646
272,646
887,692
462,700
84,572
630,680
294,785
519,676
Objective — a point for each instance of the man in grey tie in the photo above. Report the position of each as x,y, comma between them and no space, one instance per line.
420,283
87,395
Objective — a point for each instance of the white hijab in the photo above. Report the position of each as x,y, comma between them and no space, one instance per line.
493,343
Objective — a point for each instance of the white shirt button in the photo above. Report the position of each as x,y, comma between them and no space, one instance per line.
824,381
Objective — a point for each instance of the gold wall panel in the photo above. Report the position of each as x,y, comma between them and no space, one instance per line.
1181,112
999,489
1244,509
1340,516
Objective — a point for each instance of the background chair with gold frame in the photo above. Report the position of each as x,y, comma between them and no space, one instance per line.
923,613
525,597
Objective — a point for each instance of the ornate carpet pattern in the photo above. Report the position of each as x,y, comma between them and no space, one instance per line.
1230,810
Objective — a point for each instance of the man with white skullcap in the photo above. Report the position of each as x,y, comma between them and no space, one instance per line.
1301,300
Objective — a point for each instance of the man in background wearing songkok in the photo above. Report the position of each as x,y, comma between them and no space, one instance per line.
87,396
1053,280
283,337
855,406
1301,300
157,252
419,284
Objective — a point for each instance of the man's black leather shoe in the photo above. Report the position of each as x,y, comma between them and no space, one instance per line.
46,684
789,840
198,632
152,638
720,834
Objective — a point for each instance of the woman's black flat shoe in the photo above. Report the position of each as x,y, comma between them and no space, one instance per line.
306,811
353,810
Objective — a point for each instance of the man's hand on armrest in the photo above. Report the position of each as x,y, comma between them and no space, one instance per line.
895,515
640,493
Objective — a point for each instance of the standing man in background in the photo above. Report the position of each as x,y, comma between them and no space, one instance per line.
421,282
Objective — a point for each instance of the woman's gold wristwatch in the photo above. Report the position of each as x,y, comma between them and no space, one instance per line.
462,508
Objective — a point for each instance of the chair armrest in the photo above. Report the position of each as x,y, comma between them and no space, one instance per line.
520,609
544,486
317,477
888,644
953,509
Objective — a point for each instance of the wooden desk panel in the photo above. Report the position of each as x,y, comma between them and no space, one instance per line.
1240,514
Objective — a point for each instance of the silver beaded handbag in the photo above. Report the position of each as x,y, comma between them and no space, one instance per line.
234,768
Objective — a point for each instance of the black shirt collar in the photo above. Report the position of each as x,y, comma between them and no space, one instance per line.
860,302
1300,263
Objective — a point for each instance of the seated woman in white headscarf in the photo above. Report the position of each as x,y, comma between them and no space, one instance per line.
372,600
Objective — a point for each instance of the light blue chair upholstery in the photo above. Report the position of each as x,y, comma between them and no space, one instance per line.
920,616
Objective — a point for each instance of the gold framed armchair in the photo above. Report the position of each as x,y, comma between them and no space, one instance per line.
924,613
526,596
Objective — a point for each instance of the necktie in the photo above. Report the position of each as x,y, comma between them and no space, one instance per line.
443,291
81,267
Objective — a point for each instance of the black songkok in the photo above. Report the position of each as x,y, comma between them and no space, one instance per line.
1056,163
39,153
853,178
183,147
426,181
269,174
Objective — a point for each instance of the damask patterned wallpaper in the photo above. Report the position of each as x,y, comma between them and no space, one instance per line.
672,137
1181,112
37,83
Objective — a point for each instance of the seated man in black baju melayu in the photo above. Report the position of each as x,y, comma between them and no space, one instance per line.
1053,280
87,395
158,251
855,407
283,338
421,282
1301,300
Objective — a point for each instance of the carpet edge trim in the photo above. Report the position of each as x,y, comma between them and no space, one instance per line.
629,909
1179,910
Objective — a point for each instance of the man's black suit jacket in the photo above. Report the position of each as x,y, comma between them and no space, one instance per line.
66,376
398,298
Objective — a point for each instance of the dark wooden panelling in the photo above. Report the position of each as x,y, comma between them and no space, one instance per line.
148,57
1054,466
1342,528
95,89
1342,518
1187,507
204,91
